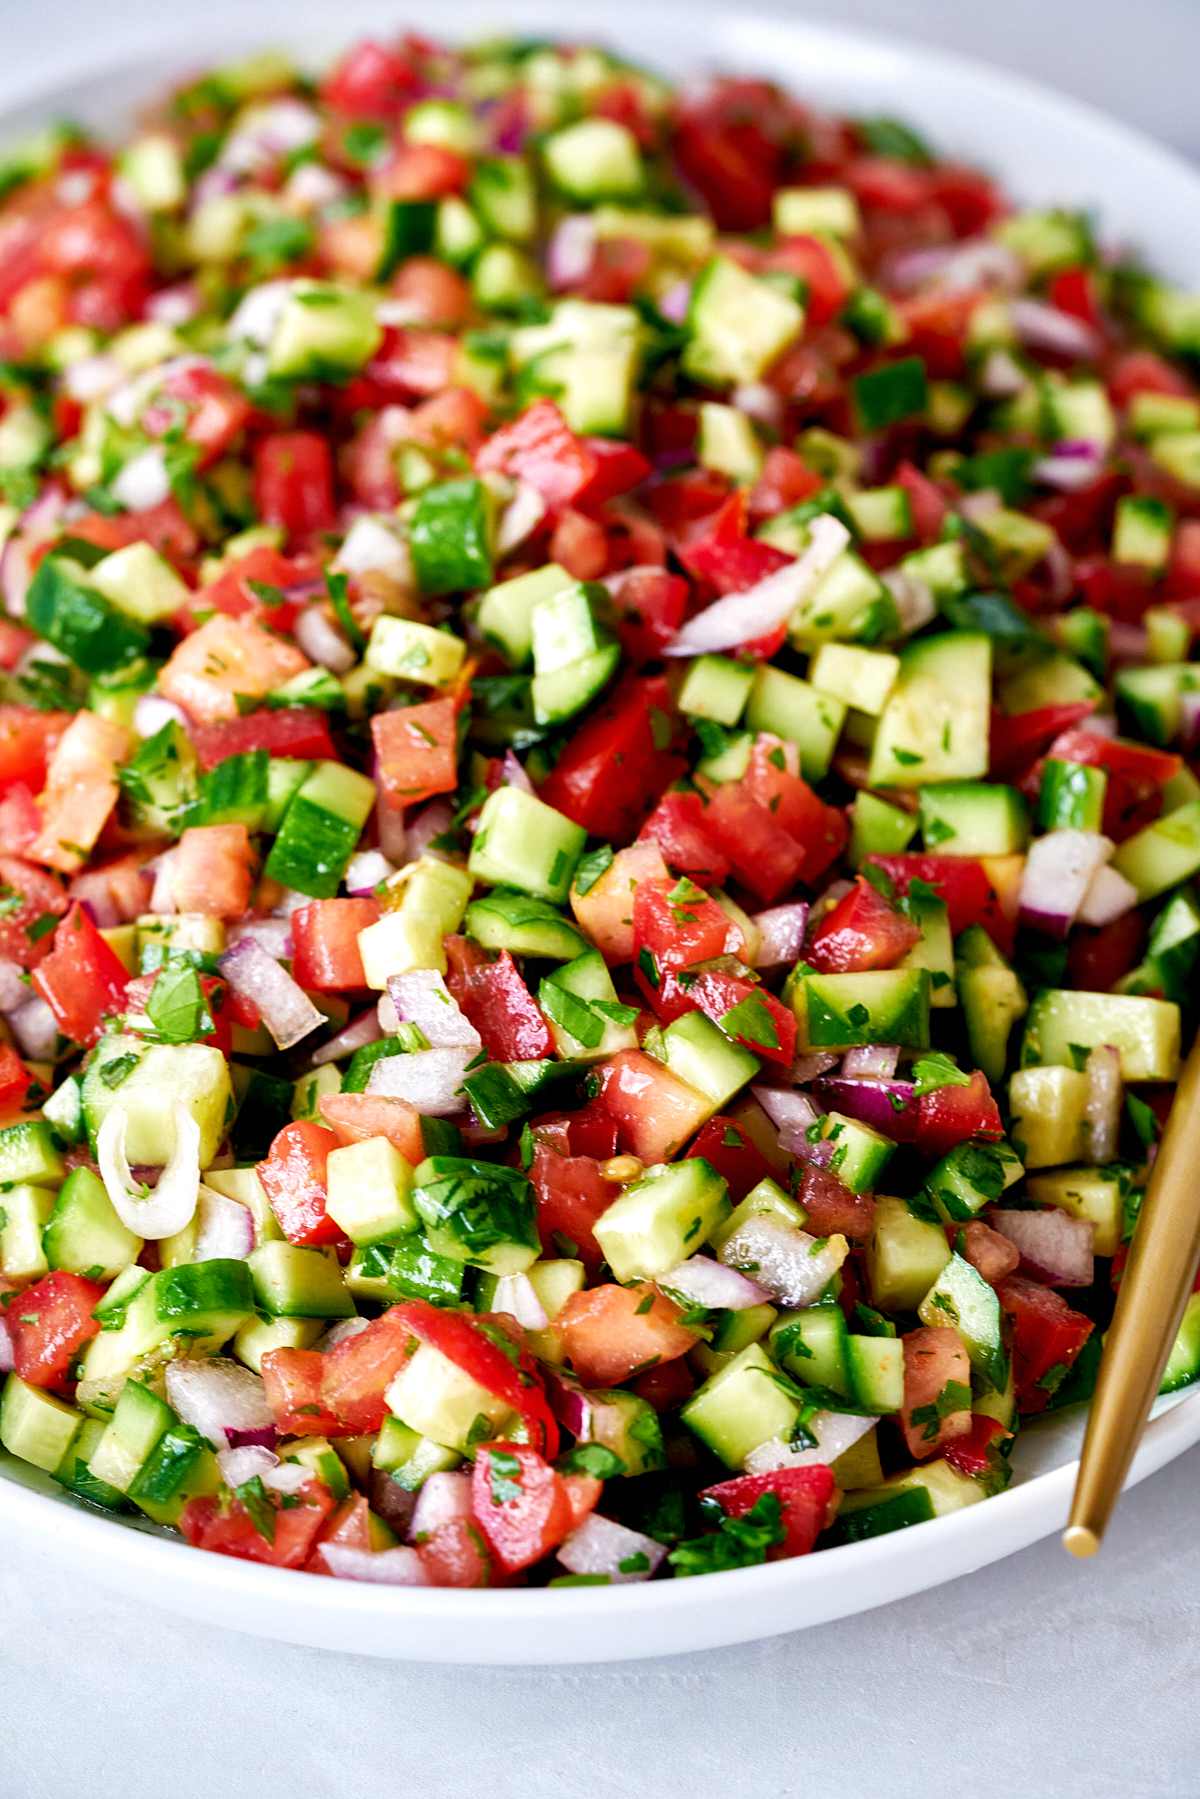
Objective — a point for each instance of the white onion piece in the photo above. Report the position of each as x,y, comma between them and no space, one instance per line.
372,547
312,186
793,1266
37,524
570,250
704,1282
172,1204
6,1349
601,1546
812,1066
268,131
286,1009
520,518
1052,1241
780,933
421,997
364,1029
443,1499
1002,375
836,1432
287,1477
143,482
513,772
1102,1107
959,268
247,1463
516,1294
430,1079
431,821
759,402
1067,474
92,377
217,1396
259,311
399,1567
173,306
151,712
675,302
913,599
787,1110
224,1227
1108,897
365,870
36,1029
1043,327
1059,869
272,934
881,1059
1100,724
14,990
739,617
323,642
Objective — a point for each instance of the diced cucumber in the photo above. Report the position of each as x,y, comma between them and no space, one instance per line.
850,601
35,1426
765,1200
1145,1031
741,1406
962,1298
812,1345
369,1190
1183,1363
716,687
1071,796
138,1424
629,1426
731,1333
973,818
1092,1194
180,1467
84,1234
905,1256
502,193
935,725
1162,854
968,1177
414,652
140,583
75,1474
193,1074
881,514
1142,529
506,611
805,211
586,1018
524,925
878,829
320,830
860,1154
699,1053
798,712
481,1213
258,1336
662,1219
521,842
858,677
934,950
29,1152
595,159
294,1282
931,1491
24,1212
876,1368
738,325
728,443
324,333
881,1006
437,1399
75,617
1047,1107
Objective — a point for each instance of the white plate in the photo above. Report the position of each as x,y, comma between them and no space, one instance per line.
1046,149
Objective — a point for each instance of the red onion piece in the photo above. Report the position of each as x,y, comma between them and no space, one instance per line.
399,1567
674,304
272,934
264,1436
1102,1108
787,1109
975,262
430,1079
6,1349
808,1067
873,1101
781,934
1108,897
224,1227
512,771
1052,1245
430,822
249,1462
704,1282
217,1395
1043,327
570,251
14,991
1059,869
881,1059
421,997
322,641
443,1499
286,1009
784,1260
1190,715
738,617
600,1546
35,1028
836,1432
37,525
362,1030
393,833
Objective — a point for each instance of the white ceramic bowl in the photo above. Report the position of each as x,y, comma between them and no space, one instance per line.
1046,149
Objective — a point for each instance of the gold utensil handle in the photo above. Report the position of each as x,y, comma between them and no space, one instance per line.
1153,1293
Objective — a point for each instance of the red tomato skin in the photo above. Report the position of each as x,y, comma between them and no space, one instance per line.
295,731
32,892
807,1501
649,605
715,993
861,932
352,1117
678,930
1047,1333
524,1510
677,825
961,882
504,1012
1098,959
15,1080
292,1378
229,1529
81,979
571,1194
293,482
540,448
27,739
465,1342
1017,738
294,1180
610,1332
760,852
613,769
370,82
49,1324
975,1455
725,1145
358,1371
952,1115
325,953
724,557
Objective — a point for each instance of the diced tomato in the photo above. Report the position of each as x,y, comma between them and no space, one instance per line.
1048,1335
579,544
353,1117
27,740
164,527
722,554
211,870
655,1112
216,411
293,482
416,749
434,294
409,365
678,825
763,856
456,1555
729,146
605,911
618,762
861,932
227,660
784,480
81,790
811,261
15,1080
926,502
680,503
115,892
1073,291
649,605
103,260
20,821
571,1195
503,1011
539,447
1145,372
295,1182
520,1504
294,731
348,1528
509,1372
257,586
424,172
358,1371
611,1331
1017,738
953,1114
229,1528
934,1356
962,882
588,1131
1098,959
372,81
82,979
677,924
763,1024
1136,776
49,1325
975,1455
31,896
725,1145
666,1386
775,781
292,1379
325,953
895,187
831,1207
807,1502
1182,579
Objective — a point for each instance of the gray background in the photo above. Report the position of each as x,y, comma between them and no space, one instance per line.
1037,1677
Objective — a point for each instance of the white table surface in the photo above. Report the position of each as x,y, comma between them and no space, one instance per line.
1038,1677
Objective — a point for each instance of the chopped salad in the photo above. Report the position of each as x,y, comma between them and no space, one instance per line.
597,815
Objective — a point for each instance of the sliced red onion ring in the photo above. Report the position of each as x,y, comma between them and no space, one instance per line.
1108,897
973,263
323,642
881,1059
738,617
1059,869
35,1028
1051,1243
399,1567
286,1009
224,1227
170,1207
393,833
217,1396
1043,327
600,1546
429,1079
362,1030
1102,1107
704,1282
443,1499
794,1267
781,934
421,997
516,1294
836,1432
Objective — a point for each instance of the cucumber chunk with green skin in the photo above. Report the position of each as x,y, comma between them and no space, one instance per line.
324,333
962,1298
859,677
586,1018
878,829
1142,529
731,1333
934,949
812,1346
1172,950
876,1370
320,829
477,1212
881,1516
905,1255
450,536
992,999
524,925
715,687
700,1053
930,1491
839,1011
505,614
1183,1363
741,1406
29,1152
790,708
293,1282
193,1074
410,651
24,1212
35,1426
521,842
1071,796
141,1419
973,818
83,1234
885,396
72,615
935,725
969,1177
860,1154
1064,1025
595,159
661,1219
850,601
503,194
75,1474
180,1467
1163,854
737,325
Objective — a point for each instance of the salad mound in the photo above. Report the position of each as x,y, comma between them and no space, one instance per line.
597,815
